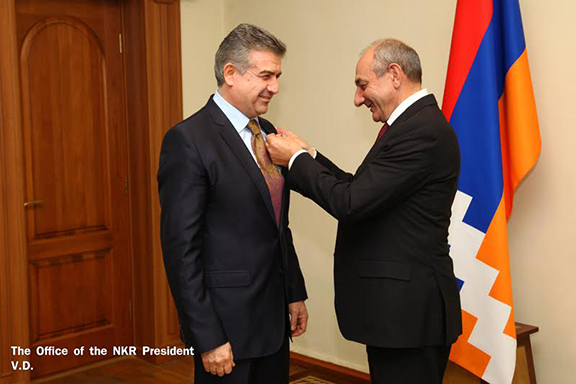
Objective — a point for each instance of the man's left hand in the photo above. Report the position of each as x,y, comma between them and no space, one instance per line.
281,148
298,318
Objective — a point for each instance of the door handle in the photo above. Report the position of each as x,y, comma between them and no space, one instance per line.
33,203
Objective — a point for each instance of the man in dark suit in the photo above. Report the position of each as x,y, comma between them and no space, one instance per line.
394,282
228,252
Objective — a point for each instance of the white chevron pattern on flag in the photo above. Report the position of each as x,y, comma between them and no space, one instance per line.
488,334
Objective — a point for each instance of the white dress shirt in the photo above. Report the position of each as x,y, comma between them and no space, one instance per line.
405,104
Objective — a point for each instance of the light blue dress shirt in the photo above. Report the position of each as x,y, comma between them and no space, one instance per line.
239,122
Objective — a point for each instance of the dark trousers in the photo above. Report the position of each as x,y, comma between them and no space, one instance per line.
424,365
259,370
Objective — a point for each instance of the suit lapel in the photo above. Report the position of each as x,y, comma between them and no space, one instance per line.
374,150
392,130
415,108
285,199
231,137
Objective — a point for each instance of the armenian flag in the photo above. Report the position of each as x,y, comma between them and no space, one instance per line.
489,101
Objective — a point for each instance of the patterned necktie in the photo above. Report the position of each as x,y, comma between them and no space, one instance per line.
272,175
382,130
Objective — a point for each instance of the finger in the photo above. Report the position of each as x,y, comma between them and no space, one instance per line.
297,332
228,368
270,141
206,366
220,371
293,321
304,323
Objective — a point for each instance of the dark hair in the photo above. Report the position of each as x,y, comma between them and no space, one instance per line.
236,48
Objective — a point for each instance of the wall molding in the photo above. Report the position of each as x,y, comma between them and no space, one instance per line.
13,276
156,94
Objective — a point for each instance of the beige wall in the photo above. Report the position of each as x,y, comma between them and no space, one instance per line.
543,225
202,30
324,38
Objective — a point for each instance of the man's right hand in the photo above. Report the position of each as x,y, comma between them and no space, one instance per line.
305,146
219,361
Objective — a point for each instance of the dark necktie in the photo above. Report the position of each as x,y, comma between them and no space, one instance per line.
382,130
272,175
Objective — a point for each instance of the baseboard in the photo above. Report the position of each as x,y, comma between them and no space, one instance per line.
311,362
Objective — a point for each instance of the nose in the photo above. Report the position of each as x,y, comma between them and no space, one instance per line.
273,85
358,97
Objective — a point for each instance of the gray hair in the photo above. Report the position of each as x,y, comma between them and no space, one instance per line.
388,51
236,48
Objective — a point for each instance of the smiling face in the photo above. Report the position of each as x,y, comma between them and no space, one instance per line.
379,94
252,91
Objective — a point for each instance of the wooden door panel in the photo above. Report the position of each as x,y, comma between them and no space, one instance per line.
87,279
63,96
79,242
75,154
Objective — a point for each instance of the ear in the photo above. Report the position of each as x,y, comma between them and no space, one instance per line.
397,74
229,71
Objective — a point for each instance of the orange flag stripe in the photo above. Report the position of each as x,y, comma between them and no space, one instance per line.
464,353
519,130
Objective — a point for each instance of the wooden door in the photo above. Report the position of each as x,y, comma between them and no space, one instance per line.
75,161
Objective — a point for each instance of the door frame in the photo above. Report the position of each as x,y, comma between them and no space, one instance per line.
153,84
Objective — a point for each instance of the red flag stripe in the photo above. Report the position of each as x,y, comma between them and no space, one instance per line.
470,25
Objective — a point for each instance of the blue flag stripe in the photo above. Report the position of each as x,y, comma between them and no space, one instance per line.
476,117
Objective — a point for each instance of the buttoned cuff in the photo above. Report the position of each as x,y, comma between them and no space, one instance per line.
294,156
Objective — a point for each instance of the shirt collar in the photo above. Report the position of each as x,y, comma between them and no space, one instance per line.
238,119
405,104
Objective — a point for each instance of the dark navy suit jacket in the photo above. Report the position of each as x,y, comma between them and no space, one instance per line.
231,268
394,280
